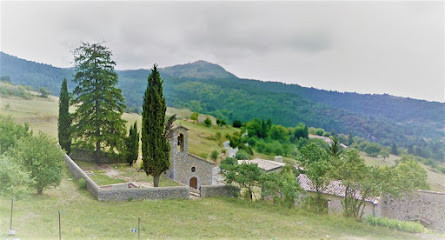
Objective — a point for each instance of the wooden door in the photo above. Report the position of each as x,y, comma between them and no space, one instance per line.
194,182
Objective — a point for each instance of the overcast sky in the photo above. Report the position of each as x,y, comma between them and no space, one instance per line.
366,47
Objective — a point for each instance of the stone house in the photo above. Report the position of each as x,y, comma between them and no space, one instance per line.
185,167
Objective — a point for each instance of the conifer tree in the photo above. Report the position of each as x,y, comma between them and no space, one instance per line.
100,104
155,146
132,144
64,121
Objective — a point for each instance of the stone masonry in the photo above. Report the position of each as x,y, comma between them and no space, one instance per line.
187,168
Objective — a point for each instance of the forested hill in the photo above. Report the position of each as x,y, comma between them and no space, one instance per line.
208,88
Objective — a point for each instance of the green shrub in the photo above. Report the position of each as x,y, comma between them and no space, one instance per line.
203,155
411,227
194,116
242,155
208,122
82,183
214,155
237,124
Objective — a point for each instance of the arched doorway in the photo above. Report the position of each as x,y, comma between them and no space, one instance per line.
194,182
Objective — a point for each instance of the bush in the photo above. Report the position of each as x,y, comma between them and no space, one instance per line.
227,163
214,155
14,181
82,183
411,227
42,157
242,155
194,116
237,124
208,122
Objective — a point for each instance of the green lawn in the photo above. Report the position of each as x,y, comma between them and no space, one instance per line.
83,217
101,179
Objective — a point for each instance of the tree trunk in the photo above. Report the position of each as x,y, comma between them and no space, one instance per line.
97,152
156,178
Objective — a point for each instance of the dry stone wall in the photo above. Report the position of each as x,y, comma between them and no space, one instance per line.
425,206
219,191
125,194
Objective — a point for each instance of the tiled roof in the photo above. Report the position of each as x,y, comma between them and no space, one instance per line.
334,188
266,165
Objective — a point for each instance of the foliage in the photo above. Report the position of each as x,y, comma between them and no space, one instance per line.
384,153
220,122
155,146
372,149
227,163
207,122
194,116
394,149
237,124
99,102
64,120
41,156
300,131
132,145
14,181
335,147
411,227
11,132
246,175
282,187
364,182
214,154
242,155
212,90
316,163
44,92
8,90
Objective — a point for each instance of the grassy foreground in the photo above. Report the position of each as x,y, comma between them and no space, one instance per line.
83,217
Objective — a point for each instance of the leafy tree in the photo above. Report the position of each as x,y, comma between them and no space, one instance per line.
372,149
384,153
15,181
11,132
42,157
132,145
44,93
208,122
237,124
283,186
220,122
278,132
194,116
246,175
64,120
214,155
155,145
316,163
300,131
363,182
100,104
227,163
242,155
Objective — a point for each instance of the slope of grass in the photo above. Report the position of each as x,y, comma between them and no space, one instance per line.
83,217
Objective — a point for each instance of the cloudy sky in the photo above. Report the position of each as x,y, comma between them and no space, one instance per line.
366,47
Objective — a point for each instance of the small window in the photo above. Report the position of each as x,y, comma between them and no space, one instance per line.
181,142
193,169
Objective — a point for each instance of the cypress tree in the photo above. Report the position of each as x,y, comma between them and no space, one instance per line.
64,121
98,117
155,146
132,145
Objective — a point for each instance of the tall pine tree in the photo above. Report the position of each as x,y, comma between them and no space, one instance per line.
155,146
99,102
64,121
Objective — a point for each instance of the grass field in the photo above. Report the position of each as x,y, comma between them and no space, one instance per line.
83,217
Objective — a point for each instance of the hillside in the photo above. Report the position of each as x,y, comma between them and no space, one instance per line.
41,115
208,88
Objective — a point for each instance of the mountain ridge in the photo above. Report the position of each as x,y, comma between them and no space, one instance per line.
208,88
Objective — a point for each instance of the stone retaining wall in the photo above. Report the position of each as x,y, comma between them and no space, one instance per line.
126,194
425,206
219,191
